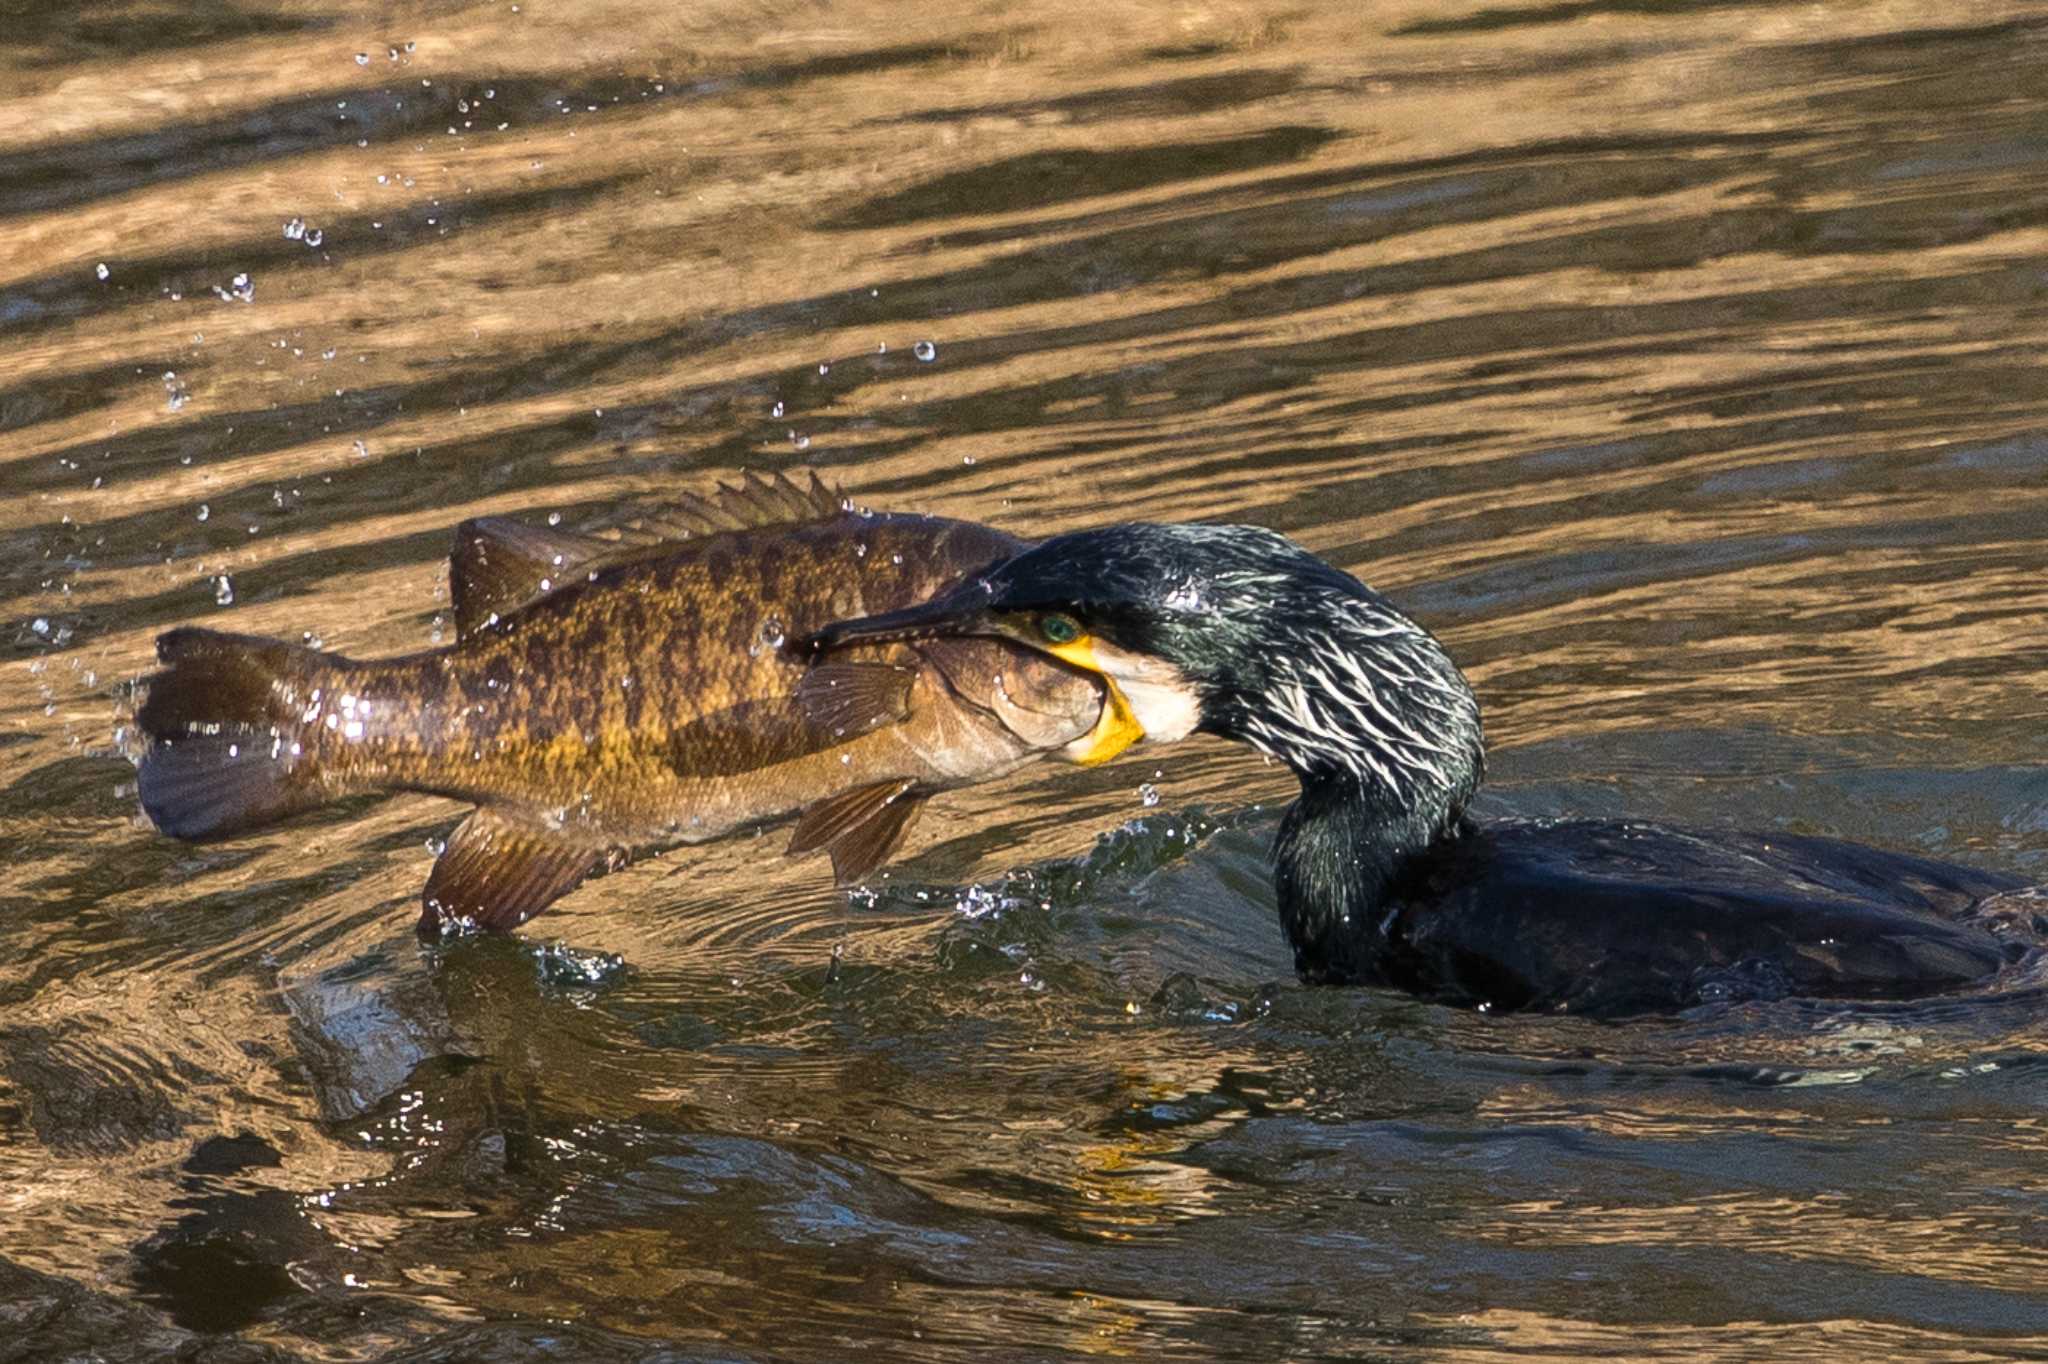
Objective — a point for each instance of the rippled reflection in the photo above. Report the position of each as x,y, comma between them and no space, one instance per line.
1679,363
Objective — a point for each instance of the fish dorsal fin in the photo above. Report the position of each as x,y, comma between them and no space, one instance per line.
498,874
860,828
499,565
756,501
846,700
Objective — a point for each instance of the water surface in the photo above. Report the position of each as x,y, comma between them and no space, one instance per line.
1679,363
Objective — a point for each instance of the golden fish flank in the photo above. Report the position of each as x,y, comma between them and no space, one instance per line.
609,693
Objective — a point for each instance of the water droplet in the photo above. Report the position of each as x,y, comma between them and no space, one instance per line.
101,270
362,59
175,393
1148,794
824,370
776,411
314,236
437,846
41,626
223,590
925,351
800,442
362,451
554,518
295,230
204,511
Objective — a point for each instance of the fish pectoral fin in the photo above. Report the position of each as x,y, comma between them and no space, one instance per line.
499,874
499,565
847,700
860,828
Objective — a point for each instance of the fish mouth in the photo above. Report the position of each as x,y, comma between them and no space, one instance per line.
1116,729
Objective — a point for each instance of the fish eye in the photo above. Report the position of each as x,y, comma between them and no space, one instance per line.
1057,627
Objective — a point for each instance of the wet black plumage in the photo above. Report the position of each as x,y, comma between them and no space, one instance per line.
1382,877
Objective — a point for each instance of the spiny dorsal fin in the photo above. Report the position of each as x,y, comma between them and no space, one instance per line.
846,700
860,827
500,874
755,502
499,565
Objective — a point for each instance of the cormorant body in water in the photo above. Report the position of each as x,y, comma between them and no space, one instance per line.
1382,877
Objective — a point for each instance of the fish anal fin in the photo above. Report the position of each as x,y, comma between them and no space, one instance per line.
498,873
860,827
847,700
499,565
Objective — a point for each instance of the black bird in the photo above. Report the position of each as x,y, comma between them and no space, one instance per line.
1382,876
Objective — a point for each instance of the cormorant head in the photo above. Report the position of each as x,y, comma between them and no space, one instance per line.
1235,631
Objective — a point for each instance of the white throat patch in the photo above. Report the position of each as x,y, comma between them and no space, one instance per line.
1163,702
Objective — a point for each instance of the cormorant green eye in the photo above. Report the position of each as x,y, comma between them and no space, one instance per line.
1056,627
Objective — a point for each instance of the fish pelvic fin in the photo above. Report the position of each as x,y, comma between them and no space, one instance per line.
497,873
227,748
860,828
499,565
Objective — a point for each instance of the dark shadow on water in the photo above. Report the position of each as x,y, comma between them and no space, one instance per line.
1156,99
222,1265
194,274
62,396
60,175
59,34
1494,20
1042,179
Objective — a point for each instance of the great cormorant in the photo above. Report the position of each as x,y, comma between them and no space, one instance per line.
1382,876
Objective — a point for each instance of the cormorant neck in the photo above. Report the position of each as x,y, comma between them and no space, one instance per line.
1341,847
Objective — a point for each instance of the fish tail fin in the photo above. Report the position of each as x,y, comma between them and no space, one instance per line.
228,749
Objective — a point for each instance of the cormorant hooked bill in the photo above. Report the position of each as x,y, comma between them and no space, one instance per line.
1382,877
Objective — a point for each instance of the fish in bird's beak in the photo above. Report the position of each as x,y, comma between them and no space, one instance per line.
964,613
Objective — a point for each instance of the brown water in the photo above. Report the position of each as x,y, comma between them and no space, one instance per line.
1680,363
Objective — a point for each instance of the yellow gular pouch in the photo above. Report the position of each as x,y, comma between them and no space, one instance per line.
1117,728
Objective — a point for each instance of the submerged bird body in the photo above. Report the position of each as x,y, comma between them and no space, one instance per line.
1610,918
606,695
1381,876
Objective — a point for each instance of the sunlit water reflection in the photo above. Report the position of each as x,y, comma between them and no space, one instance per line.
1680,364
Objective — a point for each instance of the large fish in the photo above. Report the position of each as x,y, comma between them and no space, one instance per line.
608,694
